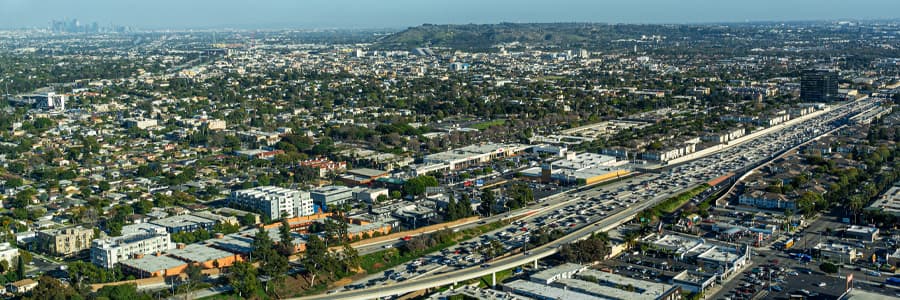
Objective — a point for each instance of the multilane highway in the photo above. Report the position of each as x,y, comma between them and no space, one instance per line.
657,187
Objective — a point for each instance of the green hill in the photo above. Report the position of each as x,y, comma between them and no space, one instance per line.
473,36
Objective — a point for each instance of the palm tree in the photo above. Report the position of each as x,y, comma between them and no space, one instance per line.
789,215
631,239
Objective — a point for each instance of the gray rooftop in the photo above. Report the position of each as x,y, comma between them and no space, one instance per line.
549,292
199,253
152,263
181,220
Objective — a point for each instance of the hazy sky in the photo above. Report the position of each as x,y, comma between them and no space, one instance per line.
405,13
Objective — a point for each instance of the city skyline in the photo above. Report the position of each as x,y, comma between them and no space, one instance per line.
240,14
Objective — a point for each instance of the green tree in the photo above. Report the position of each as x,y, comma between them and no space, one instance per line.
20,268
314,257
416,186
49,288
194,276
121,292
284,232
488,201
242,276
828,267
271,263
262,246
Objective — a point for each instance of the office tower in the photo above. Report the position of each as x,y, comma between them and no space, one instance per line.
819,85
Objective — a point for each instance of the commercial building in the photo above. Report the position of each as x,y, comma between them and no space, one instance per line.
204,256
842,253
65,241
362,176
153,266
139,241
722,260
888,203
609,286
370,196
862,233
50,101
563,271
819,85
331,195
717,258
584,168
572,281
539,291
184,223
473,292
468,156
694,282
274,202
140,123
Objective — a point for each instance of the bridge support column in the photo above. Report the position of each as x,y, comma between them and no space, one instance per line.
494,279
535,264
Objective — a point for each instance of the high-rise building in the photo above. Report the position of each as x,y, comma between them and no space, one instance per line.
819,85
274,202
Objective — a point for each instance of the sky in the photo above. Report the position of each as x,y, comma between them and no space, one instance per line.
357,14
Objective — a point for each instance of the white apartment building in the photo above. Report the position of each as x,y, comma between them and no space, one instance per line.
9,253
136,241
274,202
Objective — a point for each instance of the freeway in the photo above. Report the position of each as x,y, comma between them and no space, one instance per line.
506,263
547,204
654,186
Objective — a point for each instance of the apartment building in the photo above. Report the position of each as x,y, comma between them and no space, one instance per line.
274,202
141,239
64,241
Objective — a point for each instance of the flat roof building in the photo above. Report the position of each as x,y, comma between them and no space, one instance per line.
838,252
184,223
8,253
65,241
205,256
331,195
274,202
862,233
539,291
141,240
573,281
889,202
550,275
472,155
153,266
608,286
